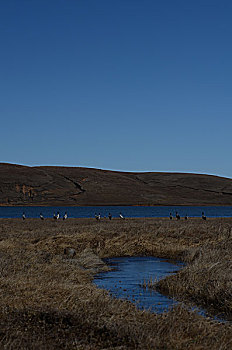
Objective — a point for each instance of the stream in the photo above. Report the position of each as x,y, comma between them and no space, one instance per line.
127,275
125,280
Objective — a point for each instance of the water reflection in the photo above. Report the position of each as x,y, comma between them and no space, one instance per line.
128,274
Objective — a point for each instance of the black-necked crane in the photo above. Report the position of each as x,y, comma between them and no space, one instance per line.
203,216
56,216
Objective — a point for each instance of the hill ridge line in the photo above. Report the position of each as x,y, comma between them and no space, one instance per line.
58,185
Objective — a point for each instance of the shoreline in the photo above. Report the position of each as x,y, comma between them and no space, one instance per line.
114,205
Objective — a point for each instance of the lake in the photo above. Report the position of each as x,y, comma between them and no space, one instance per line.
127,211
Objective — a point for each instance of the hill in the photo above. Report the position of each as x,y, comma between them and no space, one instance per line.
75,186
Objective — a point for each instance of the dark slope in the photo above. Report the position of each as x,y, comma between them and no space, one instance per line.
21,185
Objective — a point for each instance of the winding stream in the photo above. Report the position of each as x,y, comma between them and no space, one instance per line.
125,280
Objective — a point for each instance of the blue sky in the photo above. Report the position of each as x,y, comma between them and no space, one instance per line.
117,84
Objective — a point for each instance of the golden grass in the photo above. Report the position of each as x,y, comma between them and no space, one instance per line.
48,300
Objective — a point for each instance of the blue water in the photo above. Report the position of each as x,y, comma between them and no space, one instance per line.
126,278
127,211
128,274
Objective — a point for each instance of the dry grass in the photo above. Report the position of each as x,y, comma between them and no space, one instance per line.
207,278
48,300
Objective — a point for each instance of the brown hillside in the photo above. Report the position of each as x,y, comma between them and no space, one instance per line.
50,185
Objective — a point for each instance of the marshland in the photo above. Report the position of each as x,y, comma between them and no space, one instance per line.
48,299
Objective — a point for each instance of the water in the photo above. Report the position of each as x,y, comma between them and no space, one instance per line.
129,273
128,211
126,278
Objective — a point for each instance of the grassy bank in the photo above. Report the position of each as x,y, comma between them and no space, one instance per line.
48,300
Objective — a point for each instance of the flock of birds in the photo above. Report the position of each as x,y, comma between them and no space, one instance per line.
56,216
186,216
98,216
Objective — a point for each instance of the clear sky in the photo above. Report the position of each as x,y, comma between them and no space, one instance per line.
138,85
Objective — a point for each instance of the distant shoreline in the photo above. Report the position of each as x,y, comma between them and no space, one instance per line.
114,205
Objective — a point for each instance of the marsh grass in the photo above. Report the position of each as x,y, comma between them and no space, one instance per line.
48,300
206,280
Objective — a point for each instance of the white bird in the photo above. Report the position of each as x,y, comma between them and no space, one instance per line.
121,216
